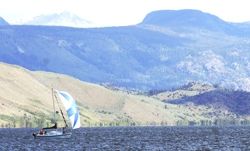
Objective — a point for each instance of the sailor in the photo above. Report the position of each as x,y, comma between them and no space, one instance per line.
55,126
42,132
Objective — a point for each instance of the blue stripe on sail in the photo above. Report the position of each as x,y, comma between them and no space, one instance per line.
65,96
72,110
76,119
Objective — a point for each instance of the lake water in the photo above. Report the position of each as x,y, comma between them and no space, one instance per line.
134,138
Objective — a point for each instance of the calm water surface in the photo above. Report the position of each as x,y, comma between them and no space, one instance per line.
133,138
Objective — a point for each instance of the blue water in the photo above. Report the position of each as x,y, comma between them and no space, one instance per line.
133,138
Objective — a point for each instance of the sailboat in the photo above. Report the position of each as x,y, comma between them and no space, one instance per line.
73,114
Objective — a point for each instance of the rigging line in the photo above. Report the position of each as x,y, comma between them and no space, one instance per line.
66,125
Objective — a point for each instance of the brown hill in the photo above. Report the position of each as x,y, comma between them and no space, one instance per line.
25,100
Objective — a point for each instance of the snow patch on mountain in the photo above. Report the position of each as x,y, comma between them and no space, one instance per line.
61,19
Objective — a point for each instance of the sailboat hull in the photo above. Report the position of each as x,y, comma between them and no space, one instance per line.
52,134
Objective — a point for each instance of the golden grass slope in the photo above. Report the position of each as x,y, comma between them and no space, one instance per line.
27,92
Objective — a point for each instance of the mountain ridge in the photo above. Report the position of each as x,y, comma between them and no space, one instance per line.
186,18
3,22
141,57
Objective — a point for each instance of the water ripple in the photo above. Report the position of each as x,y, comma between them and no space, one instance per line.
133,138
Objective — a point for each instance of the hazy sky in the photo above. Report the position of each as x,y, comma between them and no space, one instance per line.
120,12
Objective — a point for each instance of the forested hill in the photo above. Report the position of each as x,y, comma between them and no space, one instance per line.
166,50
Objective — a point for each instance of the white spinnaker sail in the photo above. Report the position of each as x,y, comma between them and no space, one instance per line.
71,108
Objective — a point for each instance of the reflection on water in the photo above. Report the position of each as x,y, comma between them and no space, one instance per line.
134,138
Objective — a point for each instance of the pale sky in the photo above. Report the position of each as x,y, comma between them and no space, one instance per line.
120,12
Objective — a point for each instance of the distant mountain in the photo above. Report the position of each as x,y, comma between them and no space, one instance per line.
61,19
186,19
3,22
167,50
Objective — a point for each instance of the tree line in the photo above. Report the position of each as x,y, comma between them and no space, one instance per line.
29,121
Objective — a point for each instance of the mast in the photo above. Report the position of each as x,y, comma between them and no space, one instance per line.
66,125
54,115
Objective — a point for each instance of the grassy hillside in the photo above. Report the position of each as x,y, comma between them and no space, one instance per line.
191,89
25,100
